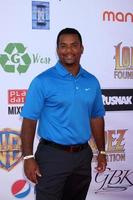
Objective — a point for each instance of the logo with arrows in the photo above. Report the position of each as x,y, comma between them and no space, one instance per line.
15,58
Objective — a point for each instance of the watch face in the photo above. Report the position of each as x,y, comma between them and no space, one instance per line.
41,15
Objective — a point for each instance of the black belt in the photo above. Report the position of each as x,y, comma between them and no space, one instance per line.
68,148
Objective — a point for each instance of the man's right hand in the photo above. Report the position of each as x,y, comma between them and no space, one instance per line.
31,170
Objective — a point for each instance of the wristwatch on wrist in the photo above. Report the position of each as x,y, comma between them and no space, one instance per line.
28,157
102,152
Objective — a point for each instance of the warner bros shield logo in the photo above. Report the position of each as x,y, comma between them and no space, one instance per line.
10,149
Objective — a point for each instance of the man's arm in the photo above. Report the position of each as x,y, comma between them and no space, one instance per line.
31,168
97,126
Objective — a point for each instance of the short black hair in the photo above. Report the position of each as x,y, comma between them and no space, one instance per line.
69,31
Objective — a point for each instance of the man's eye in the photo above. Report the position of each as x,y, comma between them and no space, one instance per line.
75,45
62,46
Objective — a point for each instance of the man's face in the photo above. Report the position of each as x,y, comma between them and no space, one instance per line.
69,50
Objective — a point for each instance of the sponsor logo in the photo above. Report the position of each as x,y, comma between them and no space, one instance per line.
20,189
10,149
114,180
123,62
16,59
117,16
40,15
14,110
16,96
115,145
117,99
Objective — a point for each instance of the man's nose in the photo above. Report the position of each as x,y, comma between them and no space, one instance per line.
69,49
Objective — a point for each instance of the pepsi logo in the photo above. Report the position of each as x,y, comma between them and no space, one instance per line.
20,188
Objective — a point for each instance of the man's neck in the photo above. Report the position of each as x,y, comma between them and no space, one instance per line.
73,69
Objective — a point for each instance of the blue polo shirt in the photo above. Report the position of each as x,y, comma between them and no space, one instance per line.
64,104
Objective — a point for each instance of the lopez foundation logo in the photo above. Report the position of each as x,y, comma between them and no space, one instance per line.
117,16
10,149
123,62
115,145
114,180
16,97
117,99
16,59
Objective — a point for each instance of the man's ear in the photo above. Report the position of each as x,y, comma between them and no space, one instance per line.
82,49
57,50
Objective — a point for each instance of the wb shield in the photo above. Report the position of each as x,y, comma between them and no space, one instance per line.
10,149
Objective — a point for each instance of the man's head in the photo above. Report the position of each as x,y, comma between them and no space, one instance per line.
69,47
69,31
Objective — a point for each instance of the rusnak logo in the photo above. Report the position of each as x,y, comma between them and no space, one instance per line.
123,62
117,99
10,149
117,16
114,180
16,59
15,98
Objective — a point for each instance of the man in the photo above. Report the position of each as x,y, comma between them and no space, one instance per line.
66,101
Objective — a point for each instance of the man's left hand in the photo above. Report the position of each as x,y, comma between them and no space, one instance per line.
102,163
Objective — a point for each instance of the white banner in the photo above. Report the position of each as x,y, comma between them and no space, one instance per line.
28,47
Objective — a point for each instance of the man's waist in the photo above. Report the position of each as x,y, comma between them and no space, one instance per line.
67,148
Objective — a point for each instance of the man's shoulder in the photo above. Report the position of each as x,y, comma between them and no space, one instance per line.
89,75
44,76
47,73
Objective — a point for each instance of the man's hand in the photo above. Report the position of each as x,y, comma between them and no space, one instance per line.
102,163
31,170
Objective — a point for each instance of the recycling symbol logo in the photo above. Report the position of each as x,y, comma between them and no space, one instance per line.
15,58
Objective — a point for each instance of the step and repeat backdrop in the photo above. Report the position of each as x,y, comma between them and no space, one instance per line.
28,46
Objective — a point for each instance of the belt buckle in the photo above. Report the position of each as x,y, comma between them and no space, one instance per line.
71,148
80,148
75,149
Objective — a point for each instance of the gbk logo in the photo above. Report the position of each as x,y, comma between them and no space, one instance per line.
15,58
10,149
114,180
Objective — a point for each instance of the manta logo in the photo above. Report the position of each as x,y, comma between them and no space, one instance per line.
20,189
117,99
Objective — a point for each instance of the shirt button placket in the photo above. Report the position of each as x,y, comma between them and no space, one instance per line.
76,85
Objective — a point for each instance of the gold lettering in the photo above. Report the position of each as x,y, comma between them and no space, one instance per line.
117,56
110,146
125,57
119,147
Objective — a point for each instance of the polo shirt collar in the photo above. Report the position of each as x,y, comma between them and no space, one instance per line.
64,72
61,69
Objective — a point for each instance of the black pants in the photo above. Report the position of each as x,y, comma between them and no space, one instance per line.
65,175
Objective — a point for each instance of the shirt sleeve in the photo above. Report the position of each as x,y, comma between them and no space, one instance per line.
35,99
98,109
